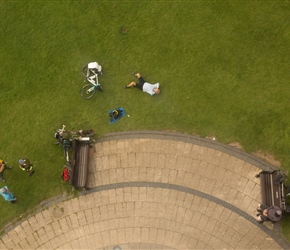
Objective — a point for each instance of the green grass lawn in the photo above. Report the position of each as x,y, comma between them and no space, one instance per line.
222,65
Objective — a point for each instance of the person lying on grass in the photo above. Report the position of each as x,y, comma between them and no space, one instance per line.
149,88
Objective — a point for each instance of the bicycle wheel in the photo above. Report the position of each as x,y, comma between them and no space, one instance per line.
87,91
86,71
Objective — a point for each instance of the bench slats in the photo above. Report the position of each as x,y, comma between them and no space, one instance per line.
80,164
270,189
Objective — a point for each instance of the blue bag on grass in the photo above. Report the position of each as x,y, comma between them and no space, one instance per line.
116,114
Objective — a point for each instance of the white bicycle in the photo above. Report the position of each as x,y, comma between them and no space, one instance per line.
91,72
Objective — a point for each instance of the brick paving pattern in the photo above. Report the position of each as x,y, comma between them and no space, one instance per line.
151,190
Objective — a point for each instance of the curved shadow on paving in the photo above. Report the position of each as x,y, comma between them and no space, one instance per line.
196,140
279,240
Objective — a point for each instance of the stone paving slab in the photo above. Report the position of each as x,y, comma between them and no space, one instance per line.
152,190
179,221
197,167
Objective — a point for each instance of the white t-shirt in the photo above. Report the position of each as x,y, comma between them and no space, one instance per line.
149,88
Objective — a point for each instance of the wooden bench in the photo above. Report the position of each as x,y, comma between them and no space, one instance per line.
272,188
80,164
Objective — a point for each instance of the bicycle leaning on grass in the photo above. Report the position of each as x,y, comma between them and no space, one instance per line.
65,139
91,72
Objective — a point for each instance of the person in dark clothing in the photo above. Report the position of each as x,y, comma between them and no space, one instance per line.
25,165
273,213
151,89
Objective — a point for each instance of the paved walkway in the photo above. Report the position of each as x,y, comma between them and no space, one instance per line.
152,190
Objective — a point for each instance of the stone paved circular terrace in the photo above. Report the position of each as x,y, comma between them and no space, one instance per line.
156,190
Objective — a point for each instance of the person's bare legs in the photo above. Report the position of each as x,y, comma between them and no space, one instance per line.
132,84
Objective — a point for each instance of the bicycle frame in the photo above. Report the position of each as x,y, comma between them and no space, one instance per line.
67,156
94,80
66,140
61,130
91,72
70,135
